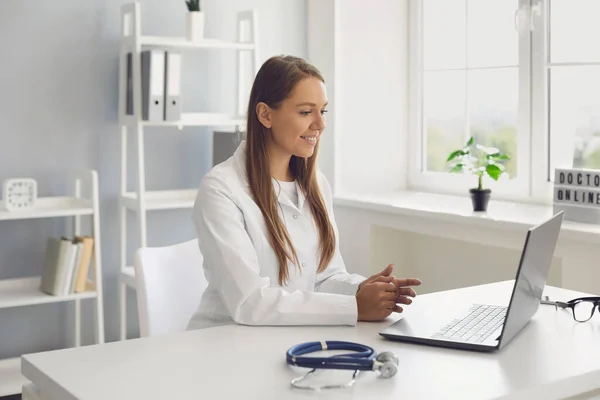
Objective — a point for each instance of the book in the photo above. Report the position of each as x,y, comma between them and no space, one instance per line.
84,264
66,265
55,257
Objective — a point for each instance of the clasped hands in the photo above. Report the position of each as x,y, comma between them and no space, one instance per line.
379,295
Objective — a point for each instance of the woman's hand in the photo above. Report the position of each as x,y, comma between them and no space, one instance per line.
377,296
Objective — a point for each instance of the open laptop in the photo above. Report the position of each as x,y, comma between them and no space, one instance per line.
484,327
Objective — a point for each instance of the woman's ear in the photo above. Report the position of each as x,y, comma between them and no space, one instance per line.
263,112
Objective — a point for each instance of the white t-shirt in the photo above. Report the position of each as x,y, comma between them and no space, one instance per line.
288,189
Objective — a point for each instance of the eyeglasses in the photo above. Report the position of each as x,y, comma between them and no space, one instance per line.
582,308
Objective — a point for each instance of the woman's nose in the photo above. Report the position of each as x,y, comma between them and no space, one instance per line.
319,123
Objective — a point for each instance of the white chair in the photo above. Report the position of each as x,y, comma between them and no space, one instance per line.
169,284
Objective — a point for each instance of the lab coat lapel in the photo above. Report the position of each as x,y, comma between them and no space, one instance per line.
281,197
301,197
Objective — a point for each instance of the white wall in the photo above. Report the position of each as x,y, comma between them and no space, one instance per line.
443,264
362,48
372,70
451,255
58,74
322,37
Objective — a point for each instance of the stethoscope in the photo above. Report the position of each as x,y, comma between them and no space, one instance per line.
364,358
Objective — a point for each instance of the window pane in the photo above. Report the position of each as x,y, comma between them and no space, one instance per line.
444,36
493,111
492,37
443,116
574,30
575,117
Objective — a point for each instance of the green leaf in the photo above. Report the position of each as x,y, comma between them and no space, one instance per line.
457,168
499,156
193,5
493,171
470,142
455,154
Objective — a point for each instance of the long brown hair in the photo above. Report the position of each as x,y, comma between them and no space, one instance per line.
273,83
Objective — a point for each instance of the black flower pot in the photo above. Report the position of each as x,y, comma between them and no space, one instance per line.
480,199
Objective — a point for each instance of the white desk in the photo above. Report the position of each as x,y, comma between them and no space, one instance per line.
553,357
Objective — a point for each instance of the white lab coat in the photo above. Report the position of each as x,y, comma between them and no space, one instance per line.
242,270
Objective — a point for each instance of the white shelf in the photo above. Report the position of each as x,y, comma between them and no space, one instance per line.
133,41
47,207
11,380
200,119
183,43
25,291
191,119
162,199
128,277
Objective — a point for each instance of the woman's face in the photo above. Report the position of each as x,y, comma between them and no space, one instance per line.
298,123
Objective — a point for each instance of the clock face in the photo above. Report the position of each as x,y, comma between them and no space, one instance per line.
19,194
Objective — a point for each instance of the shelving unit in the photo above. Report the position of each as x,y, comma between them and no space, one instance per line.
140,201
22,292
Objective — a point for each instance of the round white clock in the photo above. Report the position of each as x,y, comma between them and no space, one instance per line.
19,193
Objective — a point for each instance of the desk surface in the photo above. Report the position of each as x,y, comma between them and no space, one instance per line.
553,357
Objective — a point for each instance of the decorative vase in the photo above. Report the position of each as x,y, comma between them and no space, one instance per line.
195,26
480,199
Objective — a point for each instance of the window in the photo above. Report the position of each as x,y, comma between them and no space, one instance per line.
519,75
573,81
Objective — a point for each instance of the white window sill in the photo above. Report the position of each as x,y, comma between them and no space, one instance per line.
502,215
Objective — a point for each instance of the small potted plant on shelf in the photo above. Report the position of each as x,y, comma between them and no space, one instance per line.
195,21
479,160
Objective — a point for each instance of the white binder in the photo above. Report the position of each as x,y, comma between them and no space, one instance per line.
173,86
153,83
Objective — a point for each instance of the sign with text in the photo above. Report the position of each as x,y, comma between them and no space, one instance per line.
588,178
577,193
577,196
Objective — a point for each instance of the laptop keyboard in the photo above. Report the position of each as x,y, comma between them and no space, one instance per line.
480,323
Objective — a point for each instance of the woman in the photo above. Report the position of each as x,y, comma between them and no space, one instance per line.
265,220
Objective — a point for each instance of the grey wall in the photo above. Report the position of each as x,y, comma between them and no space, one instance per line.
58,110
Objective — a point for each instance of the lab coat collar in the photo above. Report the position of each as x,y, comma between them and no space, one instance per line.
239,157
281,198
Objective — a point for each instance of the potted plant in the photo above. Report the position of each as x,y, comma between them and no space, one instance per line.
479,160
195,21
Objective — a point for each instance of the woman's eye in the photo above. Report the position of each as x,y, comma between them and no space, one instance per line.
305,113
323,112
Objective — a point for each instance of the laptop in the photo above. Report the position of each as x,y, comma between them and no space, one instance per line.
486,327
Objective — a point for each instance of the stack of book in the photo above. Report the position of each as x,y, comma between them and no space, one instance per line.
66,266
577,193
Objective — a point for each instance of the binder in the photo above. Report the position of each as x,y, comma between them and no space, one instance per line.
173,86
129,89
153,83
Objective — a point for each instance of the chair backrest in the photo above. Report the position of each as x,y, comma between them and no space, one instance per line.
169,283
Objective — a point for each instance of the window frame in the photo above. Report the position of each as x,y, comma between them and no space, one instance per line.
532,159
542,186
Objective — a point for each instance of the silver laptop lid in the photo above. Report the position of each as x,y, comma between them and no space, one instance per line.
531,276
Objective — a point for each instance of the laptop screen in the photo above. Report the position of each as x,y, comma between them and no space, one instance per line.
531,276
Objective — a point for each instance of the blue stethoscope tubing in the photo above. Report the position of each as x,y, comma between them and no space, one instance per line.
361,359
